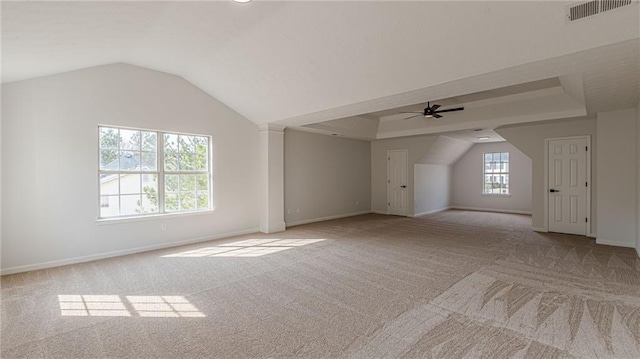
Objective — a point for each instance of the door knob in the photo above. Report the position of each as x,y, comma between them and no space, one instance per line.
554,190
403,186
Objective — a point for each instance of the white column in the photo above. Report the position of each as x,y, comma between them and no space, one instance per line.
272,178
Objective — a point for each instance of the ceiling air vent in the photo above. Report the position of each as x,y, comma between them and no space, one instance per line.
589,8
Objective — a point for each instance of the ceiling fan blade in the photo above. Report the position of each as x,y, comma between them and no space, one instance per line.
411,112
435,115
435,107
412,117
451,110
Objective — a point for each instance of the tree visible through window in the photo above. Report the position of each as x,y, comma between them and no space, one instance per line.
496,173
147,172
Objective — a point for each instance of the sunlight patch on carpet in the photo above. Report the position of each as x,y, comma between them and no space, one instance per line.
133,305
254,247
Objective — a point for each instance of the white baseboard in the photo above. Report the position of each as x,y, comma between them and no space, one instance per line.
379,212
539,229
328,218
431,212
614,243
93,257
491,210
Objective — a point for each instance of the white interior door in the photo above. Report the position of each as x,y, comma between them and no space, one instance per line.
568,185
397,182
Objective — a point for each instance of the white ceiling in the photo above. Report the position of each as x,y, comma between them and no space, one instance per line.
298,63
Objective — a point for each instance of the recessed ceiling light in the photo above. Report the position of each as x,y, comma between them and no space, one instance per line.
483,138
242,1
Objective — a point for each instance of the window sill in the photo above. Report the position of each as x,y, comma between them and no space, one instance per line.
150,217
497,194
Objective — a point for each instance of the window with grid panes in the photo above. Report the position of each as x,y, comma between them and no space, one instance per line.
144,172
496,173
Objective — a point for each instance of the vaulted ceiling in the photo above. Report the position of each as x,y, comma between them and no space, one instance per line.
301,63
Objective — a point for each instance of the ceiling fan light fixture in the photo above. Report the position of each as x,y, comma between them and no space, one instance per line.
428,116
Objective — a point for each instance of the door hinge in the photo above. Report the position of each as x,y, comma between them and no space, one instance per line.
388,158
388,203
586,184
586,148
586,220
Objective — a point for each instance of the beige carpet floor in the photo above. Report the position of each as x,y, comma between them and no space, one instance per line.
455,284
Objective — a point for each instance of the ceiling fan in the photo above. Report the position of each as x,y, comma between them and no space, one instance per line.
432,111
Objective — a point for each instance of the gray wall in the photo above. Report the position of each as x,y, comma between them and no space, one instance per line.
325,176
530,139
617,177
468,180
432,188
50,164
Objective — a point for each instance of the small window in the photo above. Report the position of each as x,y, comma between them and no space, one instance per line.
151,172
496,173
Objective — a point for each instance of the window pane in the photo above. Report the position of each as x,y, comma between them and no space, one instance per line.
109,138
150,184
130,140
187,201
187,153
171,152
505,156
171,183
148,161
129,161
202,200
149,141
171,202
202,182
109,184
130,183
488,157
109,207
202,153
150,193
109,160
187,183
149,203
130,204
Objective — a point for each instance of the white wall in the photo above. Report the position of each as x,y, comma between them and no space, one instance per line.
638,179
325,177
468,180
617,177
1,180
530,139
50,163
432,188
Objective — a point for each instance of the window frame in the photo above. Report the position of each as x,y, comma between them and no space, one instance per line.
484,173
160,172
